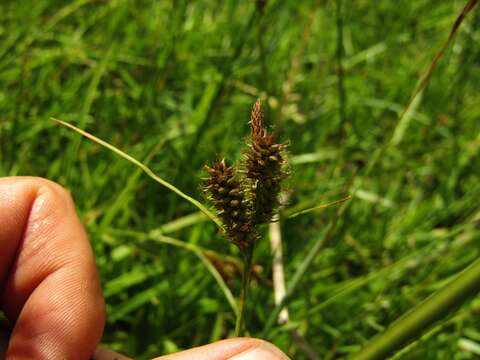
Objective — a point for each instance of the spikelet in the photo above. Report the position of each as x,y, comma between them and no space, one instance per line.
264,167
228,198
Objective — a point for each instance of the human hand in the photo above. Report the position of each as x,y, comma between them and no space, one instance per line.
49,286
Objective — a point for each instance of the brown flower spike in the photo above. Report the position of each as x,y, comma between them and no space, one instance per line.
245,202
264,167
229,200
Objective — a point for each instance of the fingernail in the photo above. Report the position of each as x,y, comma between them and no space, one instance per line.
261,352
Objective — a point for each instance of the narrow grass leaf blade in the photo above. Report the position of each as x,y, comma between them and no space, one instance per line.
415,322
199,252
132,278
136,302
318,207
145,168
414,99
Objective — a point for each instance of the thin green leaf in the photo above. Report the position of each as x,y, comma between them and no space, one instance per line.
197,250
318,207
145,168
420,318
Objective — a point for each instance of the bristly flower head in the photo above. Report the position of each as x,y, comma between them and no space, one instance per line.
229,199
265,167
249,199
243,202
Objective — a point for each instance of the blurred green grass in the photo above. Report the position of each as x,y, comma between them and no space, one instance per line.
172,83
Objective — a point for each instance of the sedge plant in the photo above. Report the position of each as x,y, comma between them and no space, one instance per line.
247,195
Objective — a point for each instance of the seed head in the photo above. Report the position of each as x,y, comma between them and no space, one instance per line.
228,198
245,201
265,163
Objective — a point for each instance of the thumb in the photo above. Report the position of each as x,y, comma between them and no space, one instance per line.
231,349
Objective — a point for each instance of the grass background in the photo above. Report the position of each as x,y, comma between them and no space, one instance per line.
172,83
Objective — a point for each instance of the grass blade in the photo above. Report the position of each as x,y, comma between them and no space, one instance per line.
318,207
145,169
197,250
406,328
213,271
422,83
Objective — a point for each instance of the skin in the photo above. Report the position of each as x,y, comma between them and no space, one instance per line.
49,285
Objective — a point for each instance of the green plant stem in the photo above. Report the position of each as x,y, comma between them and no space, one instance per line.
413,323
342,96
262,53
246,275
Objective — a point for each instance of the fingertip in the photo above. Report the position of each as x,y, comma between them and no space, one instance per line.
105,354
235,348
260,350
